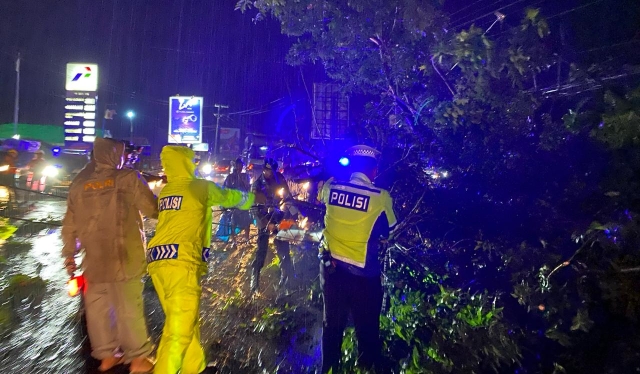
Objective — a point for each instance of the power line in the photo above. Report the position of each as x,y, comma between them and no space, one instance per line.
246,111
574,9
594,85
465,7
609,46
481,9
487,14
519,1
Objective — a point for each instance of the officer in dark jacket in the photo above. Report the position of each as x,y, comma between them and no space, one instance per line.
358,215
274,186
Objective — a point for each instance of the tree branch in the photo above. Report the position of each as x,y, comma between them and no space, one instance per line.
433,63
630,270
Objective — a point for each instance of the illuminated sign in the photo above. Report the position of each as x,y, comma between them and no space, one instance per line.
185,119
82,77
80,104
79,117
200,147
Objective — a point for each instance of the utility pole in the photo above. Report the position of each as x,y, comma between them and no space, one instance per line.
215,141
16,107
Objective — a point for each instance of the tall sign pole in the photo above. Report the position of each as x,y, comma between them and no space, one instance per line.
215,141
16,107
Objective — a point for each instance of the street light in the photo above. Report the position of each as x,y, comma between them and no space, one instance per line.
130,115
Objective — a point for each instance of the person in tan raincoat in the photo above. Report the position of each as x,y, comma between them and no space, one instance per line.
103,219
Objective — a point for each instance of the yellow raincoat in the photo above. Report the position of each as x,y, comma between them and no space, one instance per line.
178,253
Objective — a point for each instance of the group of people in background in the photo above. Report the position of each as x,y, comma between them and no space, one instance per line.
273,185
35,170
104,221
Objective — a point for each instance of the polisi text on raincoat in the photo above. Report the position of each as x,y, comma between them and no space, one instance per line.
349,200
170,203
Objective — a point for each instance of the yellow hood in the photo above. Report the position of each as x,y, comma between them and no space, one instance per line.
177,162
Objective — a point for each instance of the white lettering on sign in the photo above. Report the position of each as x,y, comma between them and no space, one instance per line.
187,103
170,203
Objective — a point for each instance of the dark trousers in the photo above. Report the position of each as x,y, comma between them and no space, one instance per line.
346,293
282,249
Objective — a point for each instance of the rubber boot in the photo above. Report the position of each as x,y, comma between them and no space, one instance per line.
109,363
141,365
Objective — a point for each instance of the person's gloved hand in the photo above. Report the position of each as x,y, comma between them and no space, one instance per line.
70,265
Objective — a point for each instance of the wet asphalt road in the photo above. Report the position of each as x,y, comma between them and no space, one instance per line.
48,336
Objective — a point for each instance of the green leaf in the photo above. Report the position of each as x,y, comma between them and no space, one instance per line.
532,14
562,338
595,225
558,369
582,321
415,357
398,331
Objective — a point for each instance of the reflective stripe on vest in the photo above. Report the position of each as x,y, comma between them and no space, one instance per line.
162,252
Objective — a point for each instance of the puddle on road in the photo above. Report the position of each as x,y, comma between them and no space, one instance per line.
46,336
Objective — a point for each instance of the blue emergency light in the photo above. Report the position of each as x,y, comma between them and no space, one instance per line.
344,161
55,151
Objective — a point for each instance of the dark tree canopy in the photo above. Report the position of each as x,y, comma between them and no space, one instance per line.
514,172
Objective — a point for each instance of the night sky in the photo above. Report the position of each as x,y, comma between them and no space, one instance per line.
149,50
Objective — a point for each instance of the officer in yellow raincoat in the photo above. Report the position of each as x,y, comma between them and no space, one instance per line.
358,215
178,253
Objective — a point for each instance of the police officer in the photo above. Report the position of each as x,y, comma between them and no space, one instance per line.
358,215
178,255
240,219
274,186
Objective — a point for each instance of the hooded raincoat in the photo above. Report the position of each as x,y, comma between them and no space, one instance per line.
103,219
178,255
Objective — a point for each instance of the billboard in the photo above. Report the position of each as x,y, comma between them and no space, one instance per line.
200,147
80,104
185,119
82,77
